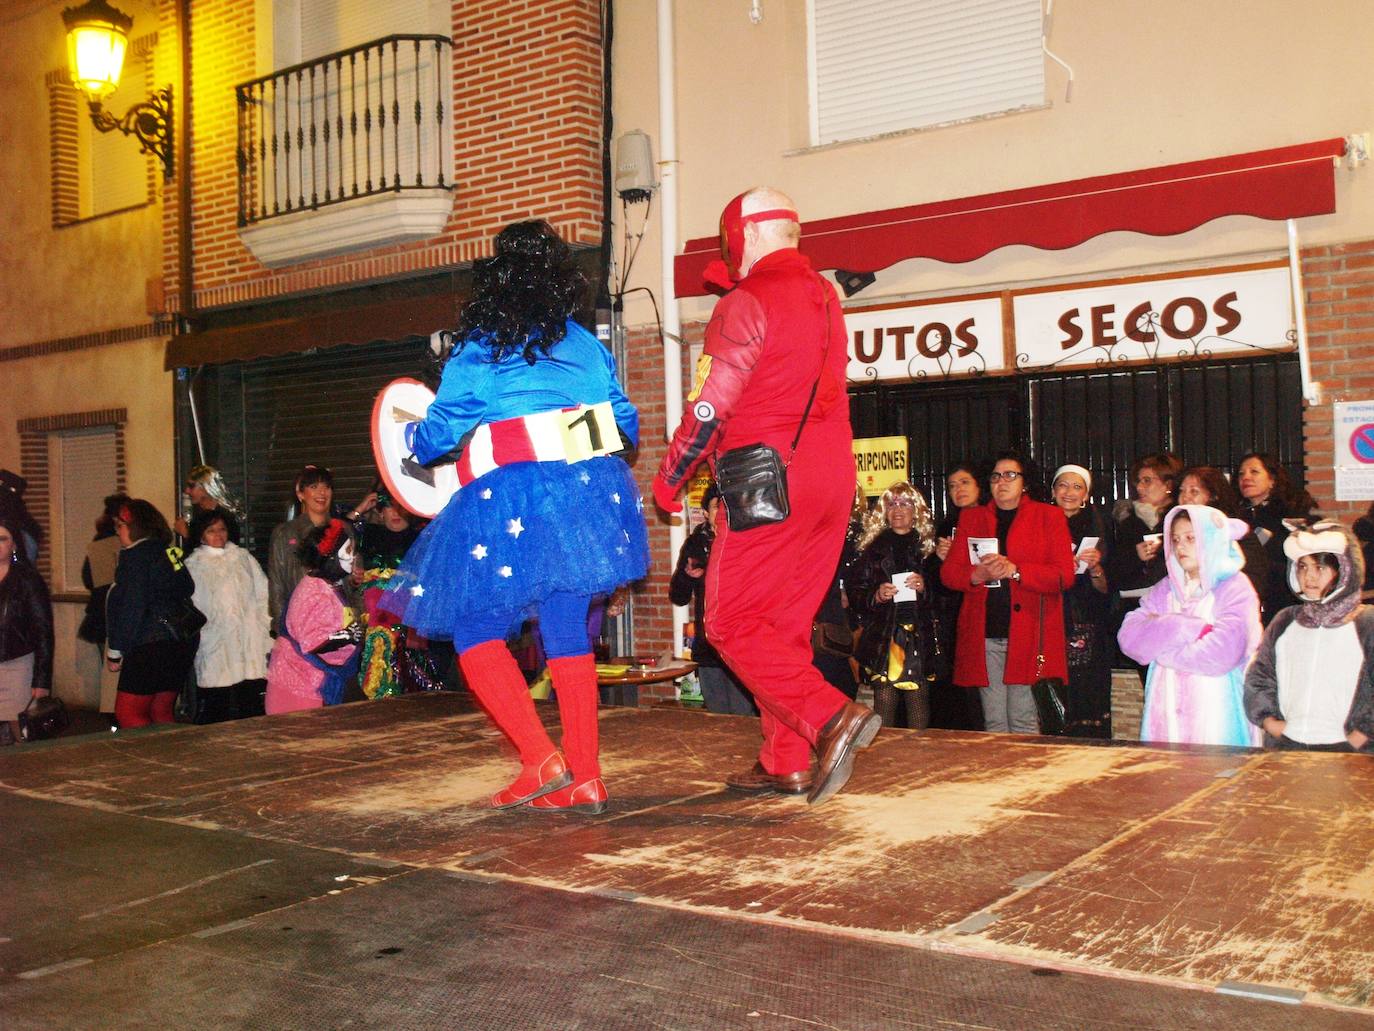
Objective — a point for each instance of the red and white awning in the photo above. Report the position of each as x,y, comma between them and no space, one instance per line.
1284,183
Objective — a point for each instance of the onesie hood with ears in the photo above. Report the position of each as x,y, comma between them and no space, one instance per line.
1219,556
1327,537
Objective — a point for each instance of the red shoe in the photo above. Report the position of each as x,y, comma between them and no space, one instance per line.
588,797
534,781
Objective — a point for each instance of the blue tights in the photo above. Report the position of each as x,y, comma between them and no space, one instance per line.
562,627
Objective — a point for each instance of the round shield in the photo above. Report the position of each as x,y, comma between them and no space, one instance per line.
419,490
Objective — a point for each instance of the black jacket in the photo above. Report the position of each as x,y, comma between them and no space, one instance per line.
1084,603
150,581
684,588
26,621
1125,571
891,553
1267,521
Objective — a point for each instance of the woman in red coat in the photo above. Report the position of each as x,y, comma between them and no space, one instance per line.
1013,609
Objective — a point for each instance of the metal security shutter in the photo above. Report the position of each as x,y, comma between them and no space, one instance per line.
1207,413
277,414
944,423
882,66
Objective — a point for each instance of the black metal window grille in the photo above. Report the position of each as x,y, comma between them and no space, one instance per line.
368,120
1209,413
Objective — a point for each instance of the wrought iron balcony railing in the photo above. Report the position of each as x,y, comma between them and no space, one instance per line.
368,120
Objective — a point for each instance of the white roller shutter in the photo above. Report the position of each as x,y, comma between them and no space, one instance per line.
880,66
84,470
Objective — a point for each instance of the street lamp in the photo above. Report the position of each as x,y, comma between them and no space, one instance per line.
97,37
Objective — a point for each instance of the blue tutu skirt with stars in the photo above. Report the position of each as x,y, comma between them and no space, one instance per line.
509,539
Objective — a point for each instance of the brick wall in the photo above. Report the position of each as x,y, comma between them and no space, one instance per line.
64,151
644,384
1339,284
527,143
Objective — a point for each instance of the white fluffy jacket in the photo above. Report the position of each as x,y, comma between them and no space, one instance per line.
232,592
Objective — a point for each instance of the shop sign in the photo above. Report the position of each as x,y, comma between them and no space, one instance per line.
881,462
917,341
1229,313
1354,440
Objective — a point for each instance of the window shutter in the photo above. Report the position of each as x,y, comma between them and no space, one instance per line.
880,66
330,25
116,170
86,470
385,82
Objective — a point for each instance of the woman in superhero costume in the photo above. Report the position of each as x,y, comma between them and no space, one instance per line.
547,516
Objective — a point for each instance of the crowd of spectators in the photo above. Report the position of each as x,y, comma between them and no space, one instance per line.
945,625
1011,590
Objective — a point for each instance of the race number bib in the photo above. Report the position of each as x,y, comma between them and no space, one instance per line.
589,431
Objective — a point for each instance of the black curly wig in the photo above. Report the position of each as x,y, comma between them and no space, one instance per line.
523,295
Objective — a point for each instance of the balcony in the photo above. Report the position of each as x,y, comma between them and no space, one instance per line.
350,151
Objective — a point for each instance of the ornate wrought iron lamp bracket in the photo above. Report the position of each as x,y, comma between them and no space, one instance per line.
149,122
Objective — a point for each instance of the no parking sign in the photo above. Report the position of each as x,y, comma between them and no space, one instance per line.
1354,440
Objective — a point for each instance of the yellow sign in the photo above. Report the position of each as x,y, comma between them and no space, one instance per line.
696,488
881,462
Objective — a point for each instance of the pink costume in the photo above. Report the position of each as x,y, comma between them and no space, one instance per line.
315,612
1197,637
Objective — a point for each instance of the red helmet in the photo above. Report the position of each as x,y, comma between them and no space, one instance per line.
732,223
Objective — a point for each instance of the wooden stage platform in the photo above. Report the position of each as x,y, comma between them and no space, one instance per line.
1205,870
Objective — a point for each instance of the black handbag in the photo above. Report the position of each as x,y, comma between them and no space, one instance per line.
832,639
753,486
753,479
1051,694
44,717
183,622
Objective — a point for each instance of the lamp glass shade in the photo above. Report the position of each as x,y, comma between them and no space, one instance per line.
96,53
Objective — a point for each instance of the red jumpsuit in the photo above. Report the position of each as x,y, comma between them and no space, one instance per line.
764,349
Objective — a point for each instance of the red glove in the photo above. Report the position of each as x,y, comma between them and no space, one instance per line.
665,496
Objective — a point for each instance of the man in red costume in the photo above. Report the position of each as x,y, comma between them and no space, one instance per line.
773,338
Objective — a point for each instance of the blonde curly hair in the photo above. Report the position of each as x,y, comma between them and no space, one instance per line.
876,520
209,477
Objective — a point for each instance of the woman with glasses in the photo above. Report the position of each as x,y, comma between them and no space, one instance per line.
1087,607
1012,559
898,649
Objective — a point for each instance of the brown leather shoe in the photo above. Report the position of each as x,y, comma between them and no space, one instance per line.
852,728
759,781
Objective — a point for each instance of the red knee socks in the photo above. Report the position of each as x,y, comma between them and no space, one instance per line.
574,681
495,679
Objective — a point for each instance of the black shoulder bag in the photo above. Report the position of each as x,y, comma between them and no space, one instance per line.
753,479
1051,694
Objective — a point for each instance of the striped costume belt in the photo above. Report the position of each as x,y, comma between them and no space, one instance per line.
559,435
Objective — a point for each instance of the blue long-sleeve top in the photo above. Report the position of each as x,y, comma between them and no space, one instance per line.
475,390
